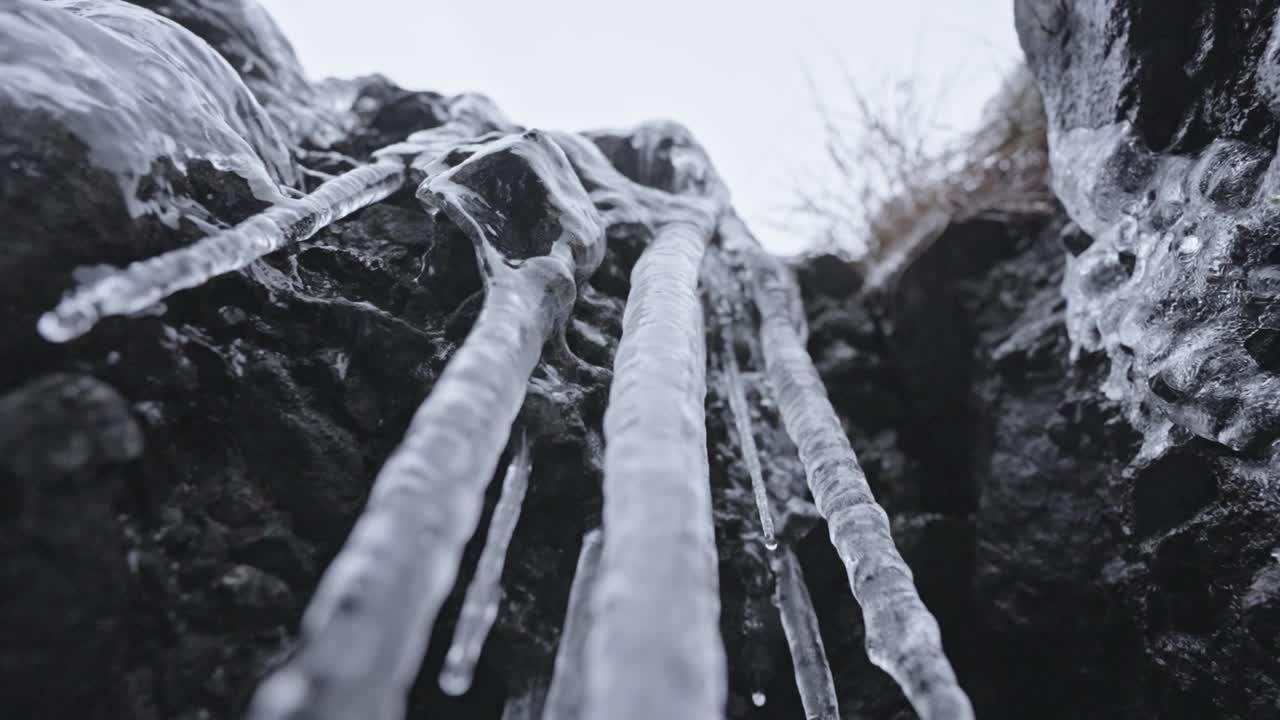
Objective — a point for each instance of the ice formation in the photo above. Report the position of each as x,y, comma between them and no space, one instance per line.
659,544
480,606
800,624
564,697
902,636
1175,284
746,437
525,705
367,626
536,206
146,282
189,104
141,284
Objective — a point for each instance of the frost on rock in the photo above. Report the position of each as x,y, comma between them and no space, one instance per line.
1177,285
657,604
480,605
368,624
800,624
903,638
564,697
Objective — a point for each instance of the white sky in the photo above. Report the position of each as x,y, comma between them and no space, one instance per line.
732,71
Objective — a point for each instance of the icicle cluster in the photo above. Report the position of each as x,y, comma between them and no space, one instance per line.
564,698
480,605
902,636
365,631
800,624
641,639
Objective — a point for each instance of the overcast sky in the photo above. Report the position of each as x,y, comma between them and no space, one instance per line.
733,71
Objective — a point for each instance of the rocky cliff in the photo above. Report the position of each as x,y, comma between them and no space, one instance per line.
292,373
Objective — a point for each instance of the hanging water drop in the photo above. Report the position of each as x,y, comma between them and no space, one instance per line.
758,698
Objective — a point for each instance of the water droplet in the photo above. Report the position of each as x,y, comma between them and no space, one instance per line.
758,698
771,542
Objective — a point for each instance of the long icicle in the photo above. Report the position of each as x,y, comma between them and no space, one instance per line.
143,283
364,633
800,624
480,605
655,649
903,637
746,437
564,698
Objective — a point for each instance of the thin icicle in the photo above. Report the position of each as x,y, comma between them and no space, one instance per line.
141,284
564,698
480,605
368,624
808,656
746,438
903,638
654,650
527,705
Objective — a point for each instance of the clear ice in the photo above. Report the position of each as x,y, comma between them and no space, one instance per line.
804,638
902,637
564,697
480,605
659,543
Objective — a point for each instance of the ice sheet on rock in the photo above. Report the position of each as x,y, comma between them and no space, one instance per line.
136,88
480,605
564,697
141,284
804,638
248,38
1175,285
659,544
368,624
902,636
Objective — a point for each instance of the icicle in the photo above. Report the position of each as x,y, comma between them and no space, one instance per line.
527,705
800,624
746,438
142,284
654,650
368,624
480,606
564,698
903,638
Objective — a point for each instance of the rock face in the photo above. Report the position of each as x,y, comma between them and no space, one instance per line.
1084,405
1070,416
